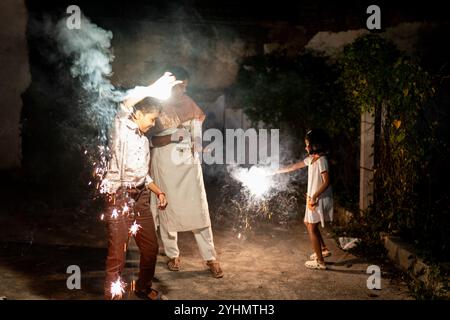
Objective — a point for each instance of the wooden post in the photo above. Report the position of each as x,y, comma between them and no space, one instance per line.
366,160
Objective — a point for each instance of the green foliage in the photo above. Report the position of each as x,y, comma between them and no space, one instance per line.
294,93
430,285
379,79
365,71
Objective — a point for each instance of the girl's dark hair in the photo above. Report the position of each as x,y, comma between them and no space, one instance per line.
180,73
319,141
148,105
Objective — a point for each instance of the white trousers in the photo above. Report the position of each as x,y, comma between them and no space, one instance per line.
203,237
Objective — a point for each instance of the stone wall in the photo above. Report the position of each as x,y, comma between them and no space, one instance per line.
15,77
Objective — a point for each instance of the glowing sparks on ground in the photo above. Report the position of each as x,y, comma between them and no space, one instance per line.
134,228
102,217
117,288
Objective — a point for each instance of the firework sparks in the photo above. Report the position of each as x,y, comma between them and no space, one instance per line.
125,209
115,214
255,179
256,195
117,288
134,228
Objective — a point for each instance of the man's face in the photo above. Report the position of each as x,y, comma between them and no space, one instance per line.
146,121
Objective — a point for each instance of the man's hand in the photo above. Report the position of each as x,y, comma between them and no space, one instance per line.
162,88
162,201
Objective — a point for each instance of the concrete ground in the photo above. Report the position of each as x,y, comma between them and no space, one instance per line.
35,251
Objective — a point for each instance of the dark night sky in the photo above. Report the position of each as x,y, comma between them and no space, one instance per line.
297,12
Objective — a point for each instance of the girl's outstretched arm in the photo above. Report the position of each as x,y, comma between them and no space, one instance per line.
292,167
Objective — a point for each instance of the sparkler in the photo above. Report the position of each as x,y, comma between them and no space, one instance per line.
258,196
117,288
134,228
114,214
256,180
125,209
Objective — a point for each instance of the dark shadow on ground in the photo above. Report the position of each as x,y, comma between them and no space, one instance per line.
45,266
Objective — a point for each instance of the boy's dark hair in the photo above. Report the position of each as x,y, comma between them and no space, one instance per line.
180,73
319,141
148,105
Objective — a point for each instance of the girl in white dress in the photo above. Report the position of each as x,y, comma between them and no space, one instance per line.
319,200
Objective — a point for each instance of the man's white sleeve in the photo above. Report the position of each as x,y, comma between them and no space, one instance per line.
148,180
138,92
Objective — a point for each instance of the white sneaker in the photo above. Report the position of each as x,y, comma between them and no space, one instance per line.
315,264
325,253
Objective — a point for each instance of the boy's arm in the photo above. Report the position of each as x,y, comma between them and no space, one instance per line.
113,177
134,96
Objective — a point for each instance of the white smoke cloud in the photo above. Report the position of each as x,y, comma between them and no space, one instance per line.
89,51
89,47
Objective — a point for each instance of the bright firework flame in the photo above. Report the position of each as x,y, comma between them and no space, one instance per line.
115,214
255,179
162,88
258,195
117,288
134,228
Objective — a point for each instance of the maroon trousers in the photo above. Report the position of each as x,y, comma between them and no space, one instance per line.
146,240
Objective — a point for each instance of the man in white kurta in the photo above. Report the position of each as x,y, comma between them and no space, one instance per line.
175,166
